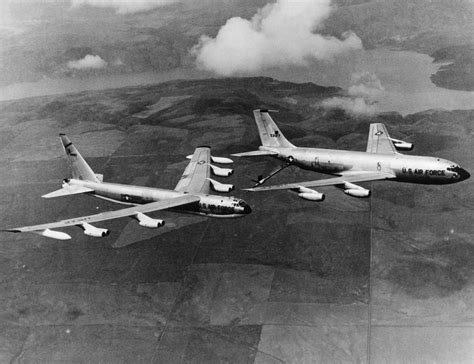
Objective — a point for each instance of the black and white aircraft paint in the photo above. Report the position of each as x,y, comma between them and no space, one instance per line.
191,195
380,161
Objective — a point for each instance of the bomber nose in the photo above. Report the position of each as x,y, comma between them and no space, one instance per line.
463,174
247,209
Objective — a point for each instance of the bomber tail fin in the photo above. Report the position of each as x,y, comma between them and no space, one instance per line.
80,168
270,134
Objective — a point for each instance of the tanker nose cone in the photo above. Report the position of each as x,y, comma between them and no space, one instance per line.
463,174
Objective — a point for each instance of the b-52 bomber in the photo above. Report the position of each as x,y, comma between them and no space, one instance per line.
191,195
380,161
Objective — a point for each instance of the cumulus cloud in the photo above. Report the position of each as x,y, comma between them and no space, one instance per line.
365,84
88,62
280,34
363,95
124,6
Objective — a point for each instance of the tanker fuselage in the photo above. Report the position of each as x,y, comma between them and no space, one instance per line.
406,168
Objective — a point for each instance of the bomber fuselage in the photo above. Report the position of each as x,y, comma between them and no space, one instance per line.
406,168
209,205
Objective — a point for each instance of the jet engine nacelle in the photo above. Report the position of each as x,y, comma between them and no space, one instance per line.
94,231
221,160
357,192
310,195
55,234
402,145
221,172
221,187
352,189
148,222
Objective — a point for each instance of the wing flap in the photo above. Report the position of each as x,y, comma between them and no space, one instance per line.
359,177
130,211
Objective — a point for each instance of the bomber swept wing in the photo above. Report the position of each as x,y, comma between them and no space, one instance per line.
350,178
195,178
130,211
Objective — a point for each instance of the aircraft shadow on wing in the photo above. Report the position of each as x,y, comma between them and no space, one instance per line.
192,195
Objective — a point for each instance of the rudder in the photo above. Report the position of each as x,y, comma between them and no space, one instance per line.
80,169
270,134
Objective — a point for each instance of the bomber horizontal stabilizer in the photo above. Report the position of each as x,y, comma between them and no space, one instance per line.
68,190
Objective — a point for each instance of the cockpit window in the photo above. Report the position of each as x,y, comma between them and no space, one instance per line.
453,168
242,203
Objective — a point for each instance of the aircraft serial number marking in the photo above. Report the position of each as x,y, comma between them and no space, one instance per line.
426,172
